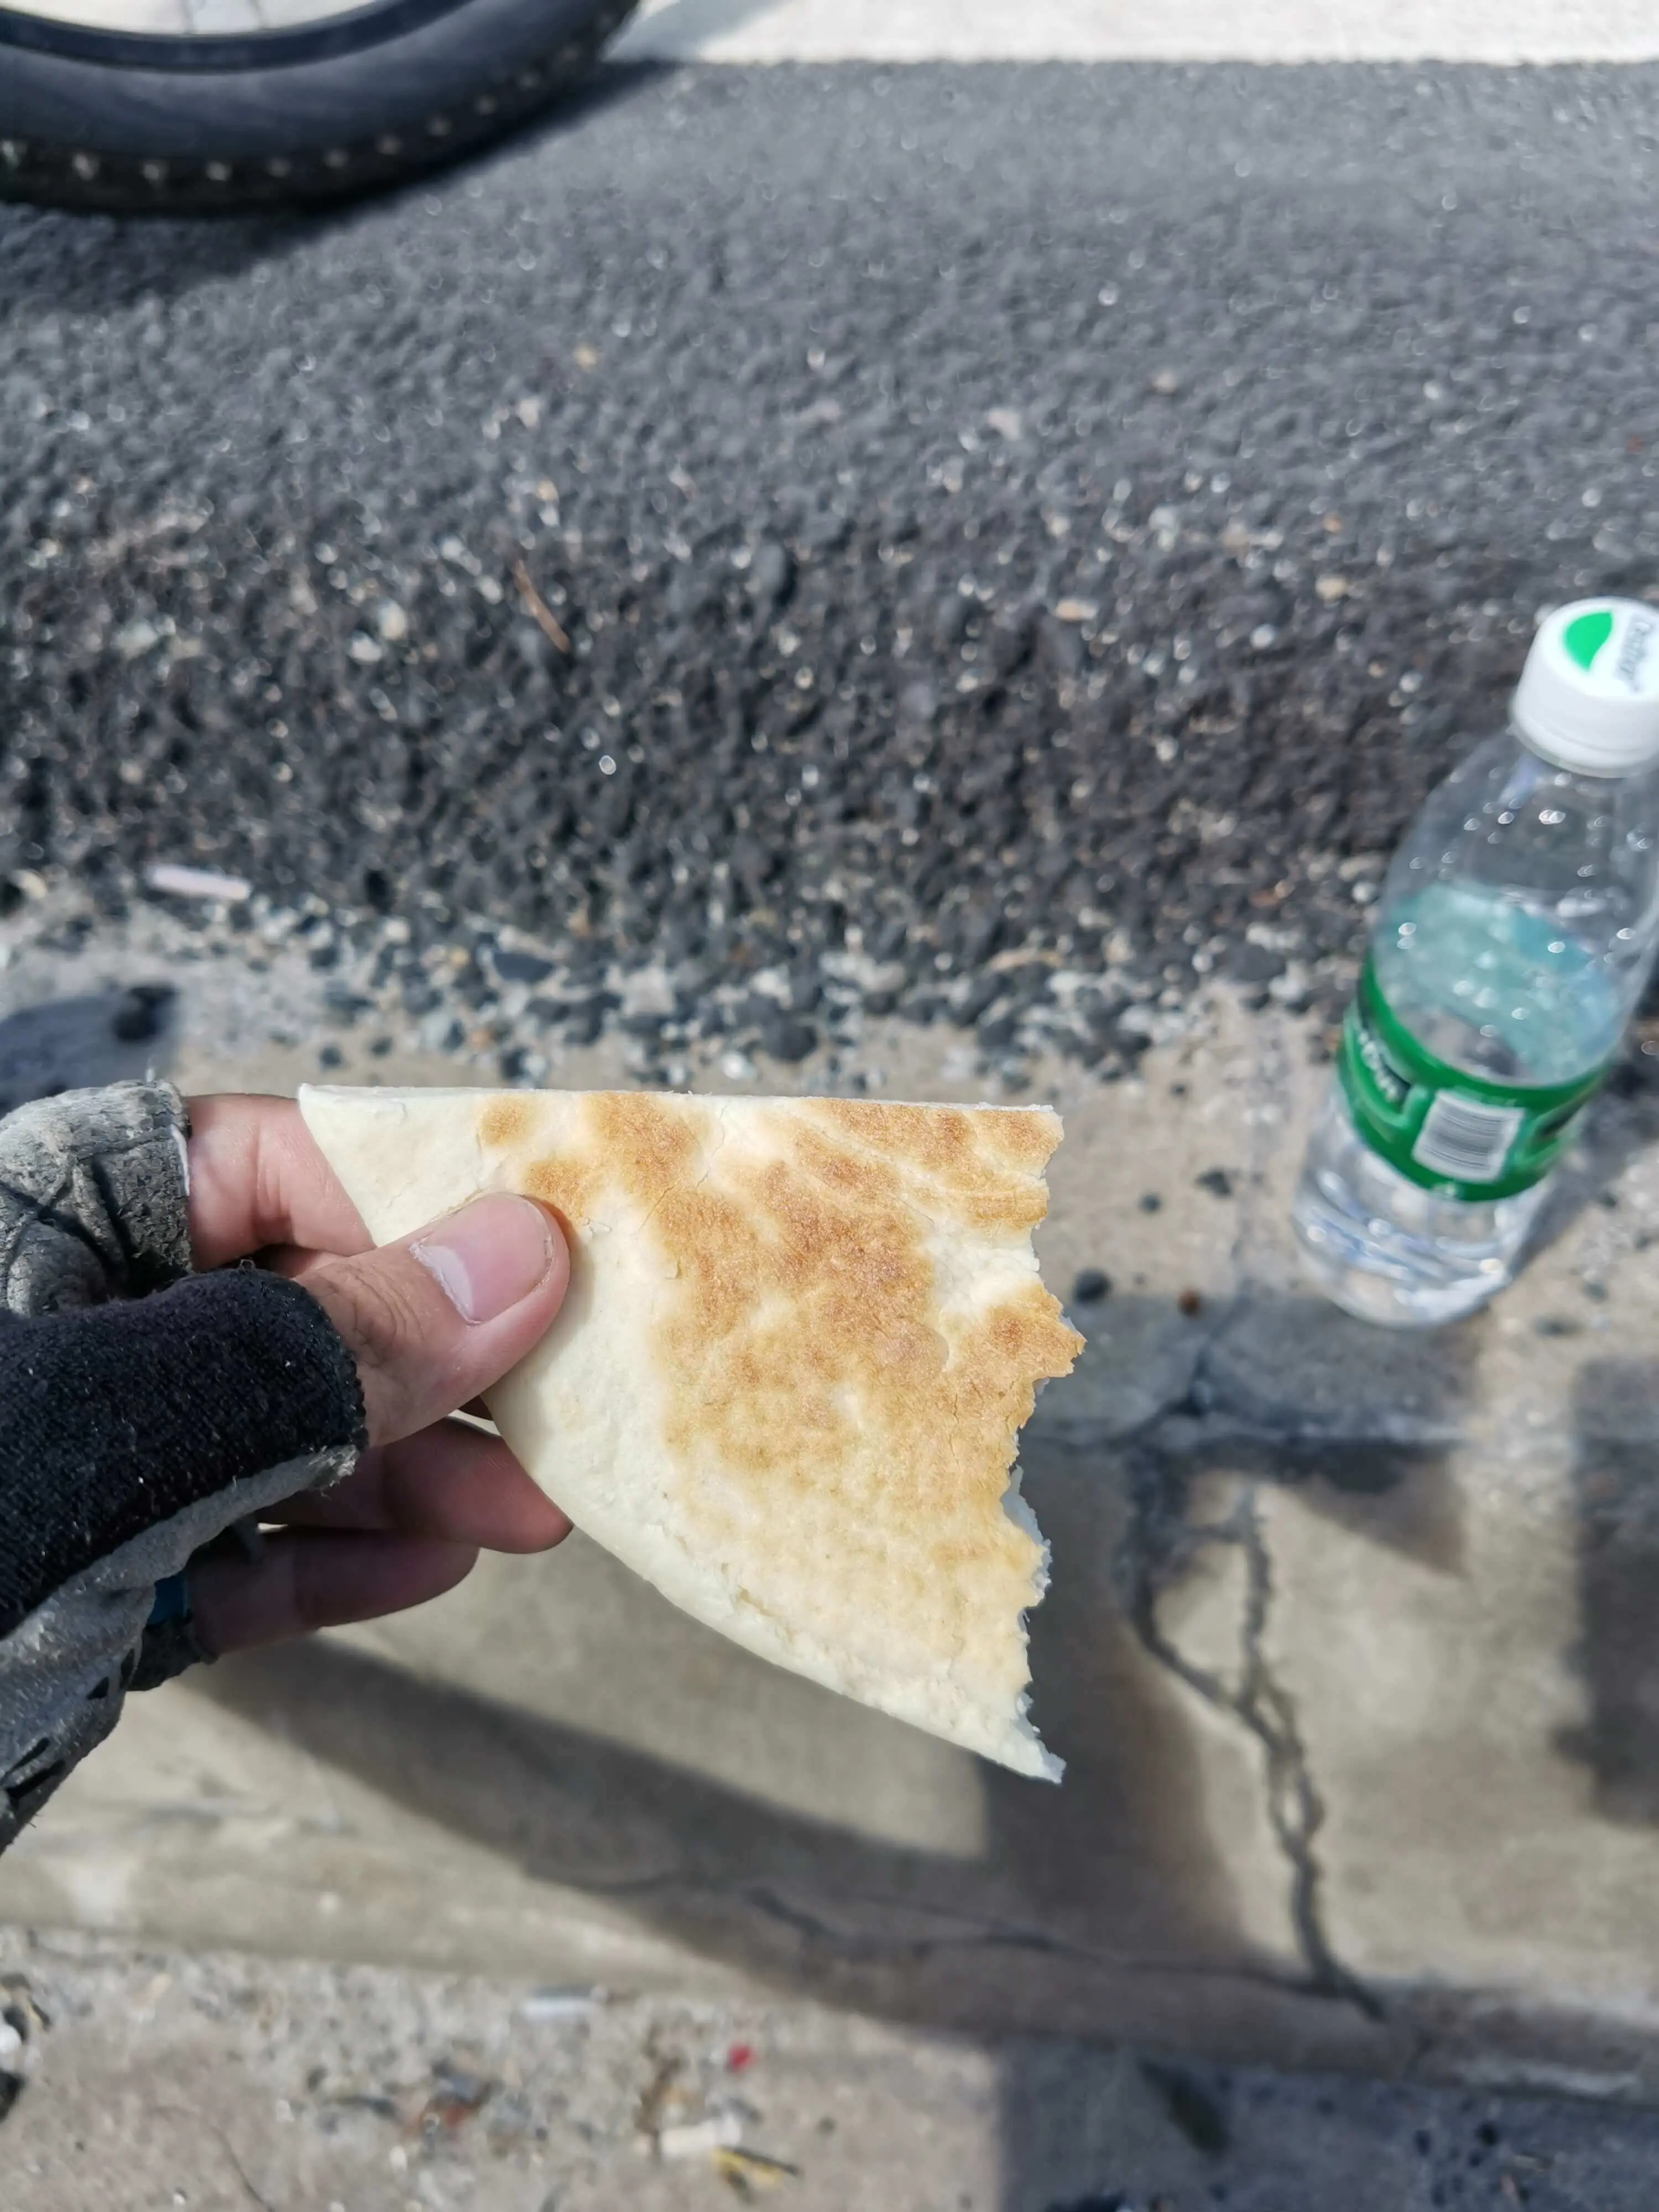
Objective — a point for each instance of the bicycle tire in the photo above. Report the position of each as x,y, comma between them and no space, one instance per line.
131,123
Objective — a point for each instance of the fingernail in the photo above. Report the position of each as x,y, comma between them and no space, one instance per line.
489,1255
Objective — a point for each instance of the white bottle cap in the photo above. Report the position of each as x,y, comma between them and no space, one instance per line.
1588,695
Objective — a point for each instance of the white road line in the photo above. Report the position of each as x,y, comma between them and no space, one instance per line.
1498,31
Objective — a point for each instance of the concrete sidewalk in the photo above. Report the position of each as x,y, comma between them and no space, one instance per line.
1350,1649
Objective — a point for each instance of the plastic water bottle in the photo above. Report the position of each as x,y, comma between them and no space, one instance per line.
1513,939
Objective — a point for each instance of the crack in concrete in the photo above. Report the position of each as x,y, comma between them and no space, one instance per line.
859,1945
964,1930
1160,1548
1162,1543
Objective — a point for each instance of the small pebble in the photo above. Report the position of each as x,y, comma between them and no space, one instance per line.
1092,1285
1190,1303
1150,1202
1217,1181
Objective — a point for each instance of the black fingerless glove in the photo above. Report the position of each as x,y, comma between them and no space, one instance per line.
143,1412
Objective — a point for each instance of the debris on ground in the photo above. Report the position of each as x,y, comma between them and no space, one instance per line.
544,2005
540,613
748,2172
715,2133
20,2019
457,2094
178,881
664,2099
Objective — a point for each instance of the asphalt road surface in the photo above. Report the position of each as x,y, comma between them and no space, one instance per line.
1029,535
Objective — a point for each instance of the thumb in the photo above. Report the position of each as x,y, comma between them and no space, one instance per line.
439,1316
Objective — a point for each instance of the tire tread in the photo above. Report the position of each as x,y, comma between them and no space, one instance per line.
486,108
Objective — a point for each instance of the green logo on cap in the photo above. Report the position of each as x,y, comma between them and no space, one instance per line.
1584,638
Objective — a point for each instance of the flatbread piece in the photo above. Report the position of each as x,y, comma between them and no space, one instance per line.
801,1337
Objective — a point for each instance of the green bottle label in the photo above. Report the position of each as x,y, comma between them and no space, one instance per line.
1461,1134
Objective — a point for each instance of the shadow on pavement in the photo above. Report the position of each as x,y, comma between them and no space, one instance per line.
89,263
1623,1123
1616,1425
1087,1902
92,264
69,1044
1359,1420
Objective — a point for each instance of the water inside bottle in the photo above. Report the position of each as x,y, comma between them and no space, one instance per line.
1496,987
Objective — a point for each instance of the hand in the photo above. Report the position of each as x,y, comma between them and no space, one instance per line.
431,1322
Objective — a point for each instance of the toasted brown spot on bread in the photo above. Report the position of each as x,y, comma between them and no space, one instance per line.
647,1144
506,1122
565,1181
1022,1138
935,1138
517,1132
990,1178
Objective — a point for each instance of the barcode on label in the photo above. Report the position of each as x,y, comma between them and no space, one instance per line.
1466,1140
